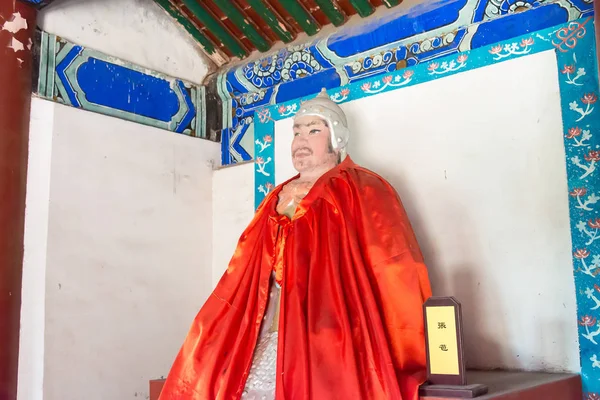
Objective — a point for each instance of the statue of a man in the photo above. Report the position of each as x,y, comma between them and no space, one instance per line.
323,296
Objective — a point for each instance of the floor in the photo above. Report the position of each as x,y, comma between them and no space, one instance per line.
502,386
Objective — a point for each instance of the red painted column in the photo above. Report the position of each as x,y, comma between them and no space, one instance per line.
15,99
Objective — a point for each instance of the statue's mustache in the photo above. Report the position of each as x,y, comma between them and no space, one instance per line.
302,148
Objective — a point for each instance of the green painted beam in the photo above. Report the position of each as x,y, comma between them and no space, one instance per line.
192,30
333,11
304,19
362,7
271,19
216,28
391,3
245,26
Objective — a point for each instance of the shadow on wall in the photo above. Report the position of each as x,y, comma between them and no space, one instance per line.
481,351
484,350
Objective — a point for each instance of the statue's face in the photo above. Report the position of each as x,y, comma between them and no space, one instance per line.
311,147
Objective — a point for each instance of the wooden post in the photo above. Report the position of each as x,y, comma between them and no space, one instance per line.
17,26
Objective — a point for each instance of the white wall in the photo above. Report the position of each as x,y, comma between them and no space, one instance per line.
233,209
482,175
138,31
31,351
129,250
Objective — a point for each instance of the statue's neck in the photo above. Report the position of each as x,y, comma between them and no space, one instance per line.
311,176
294,191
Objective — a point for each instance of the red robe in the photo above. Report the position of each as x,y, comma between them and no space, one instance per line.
351,322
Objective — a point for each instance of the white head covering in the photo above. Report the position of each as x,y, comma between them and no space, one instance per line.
323,107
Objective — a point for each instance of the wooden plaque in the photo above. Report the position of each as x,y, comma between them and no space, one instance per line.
446,371
444,341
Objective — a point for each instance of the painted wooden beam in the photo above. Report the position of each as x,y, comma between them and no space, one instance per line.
333,11
306,21
275,22
39,4
362,7
241,21
174,12
216,28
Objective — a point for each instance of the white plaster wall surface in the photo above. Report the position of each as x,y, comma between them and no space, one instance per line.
482,176
233,209
129,253
31,352
138,31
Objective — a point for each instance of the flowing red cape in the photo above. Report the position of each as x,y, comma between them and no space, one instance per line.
351,322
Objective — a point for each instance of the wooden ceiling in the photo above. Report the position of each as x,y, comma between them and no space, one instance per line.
235,28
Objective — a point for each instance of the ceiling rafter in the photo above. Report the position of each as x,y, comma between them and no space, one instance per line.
363,7
303,17
333,11
274,24
262,43
235,28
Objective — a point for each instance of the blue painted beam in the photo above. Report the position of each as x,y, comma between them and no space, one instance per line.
37,3
87,79
400,39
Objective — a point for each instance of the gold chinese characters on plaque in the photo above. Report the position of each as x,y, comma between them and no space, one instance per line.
443,343
443,335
